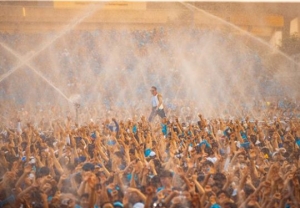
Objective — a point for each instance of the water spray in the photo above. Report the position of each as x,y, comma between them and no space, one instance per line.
77,106
89,11
191,7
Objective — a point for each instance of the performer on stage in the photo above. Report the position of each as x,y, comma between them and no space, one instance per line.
157,105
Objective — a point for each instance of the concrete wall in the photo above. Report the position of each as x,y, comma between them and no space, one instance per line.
129,14
295,26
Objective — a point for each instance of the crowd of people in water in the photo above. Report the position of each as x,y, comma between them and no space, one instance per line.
111,156
173,162
79,63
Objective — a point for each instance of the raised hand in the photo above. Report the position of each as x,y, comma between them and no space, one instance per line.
252,154
28,169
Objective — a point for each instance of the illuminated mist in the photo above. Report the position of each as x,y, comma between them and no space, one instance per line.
214,71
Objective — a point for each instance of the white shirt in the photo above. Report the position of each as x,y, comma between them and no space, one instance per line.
155,102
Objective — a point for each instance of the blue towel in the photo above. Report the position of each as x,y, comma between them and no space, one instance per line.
204,142
298,142
215,206
245,145
134,129
147,152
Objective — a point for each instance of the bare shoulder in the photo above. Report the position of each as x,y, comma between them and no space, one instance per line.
159,95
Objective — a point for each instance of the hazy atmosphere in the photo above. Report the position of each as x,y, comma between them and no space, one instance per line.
149,104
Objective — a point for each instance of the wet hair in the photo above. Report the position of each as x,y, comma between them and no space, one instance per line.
91,148
214,144
183,204
153,87
256,182
155,180
85,195
119,154
253,138
104,203
78,177
43,171
248,190
24,145
49,142
132,151
157,164
219,177
218,186
223,192
70,166
35,199
230,205
88,167
200,177
209,163
165,174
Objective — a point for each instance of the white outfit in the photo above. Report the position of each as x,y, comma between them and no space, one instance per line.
155,102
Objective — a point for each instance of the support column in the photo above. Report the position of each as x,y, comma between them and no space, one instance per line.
295,26
276,39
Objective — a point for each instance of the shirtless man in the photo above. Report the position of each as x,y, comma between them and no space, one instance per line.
157,105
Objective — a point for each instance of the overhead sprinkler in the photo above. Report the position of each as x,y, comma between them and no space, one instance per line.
77,106
75,99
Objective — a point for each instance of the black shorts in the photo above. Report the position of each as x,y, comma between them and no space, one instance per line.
155,112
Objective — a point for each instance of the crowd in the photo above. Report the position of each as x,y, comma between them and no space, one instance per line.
79,63
172,162
103,159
